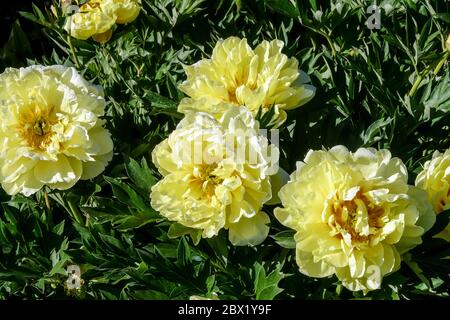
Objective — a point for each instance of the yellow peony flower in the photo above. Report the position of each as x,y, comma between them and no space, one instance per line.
260,78
435,180
354,214
447,43
125,10
96,18
50,132
216,175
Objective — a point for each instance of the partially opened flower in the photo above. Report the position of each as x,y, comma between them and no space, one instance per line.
261,78
216,175
50,133
355,215
435,180
447,43
126,11
95,18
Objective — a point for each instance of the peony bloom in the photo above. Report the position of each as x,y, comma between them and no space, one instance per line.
216,175
354,214
50,132
447,43
260,78
96,18
435,180
126,11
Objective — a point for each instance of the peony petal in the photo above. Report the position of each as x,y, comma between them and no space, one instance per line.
249,231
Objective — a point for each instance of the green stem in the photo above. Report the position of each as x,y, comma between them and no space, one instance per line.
425,71
49,209
441,63
75,213
327,36
72,50
333,51
418,81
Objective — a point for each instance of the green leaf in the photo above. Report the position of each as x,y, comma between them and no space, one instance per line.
135,221
141,175
266,287
149,295
184,253
440,96
442,221
127,195
443,16
285,239
286,7
160,101
177,230
16,49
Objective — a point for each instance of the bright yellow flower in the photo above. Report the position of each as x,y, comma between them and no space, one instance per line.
103,37
96,18
260,78
354,214
208,183
50,133
93,19
125,10
447,43
435,180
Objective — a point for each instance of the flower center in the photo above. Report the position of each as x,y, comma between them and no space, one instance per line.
232,90
35,126
358,219
90,5
204,181
232,96
444,202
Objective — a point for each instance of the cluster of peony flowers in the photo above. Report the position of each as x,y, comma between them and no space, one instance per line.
354,213
96,18
51,132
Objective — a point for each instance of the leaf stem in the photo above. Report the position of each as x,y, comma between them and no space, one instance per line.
72,50
75,213
418,81
425,71
441,63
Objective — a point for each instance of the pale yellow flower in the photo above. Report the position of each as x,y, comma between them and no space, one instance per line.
103,37
126,11
447,43
260,78
354,213
208,184
435,180
50,133
95,18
